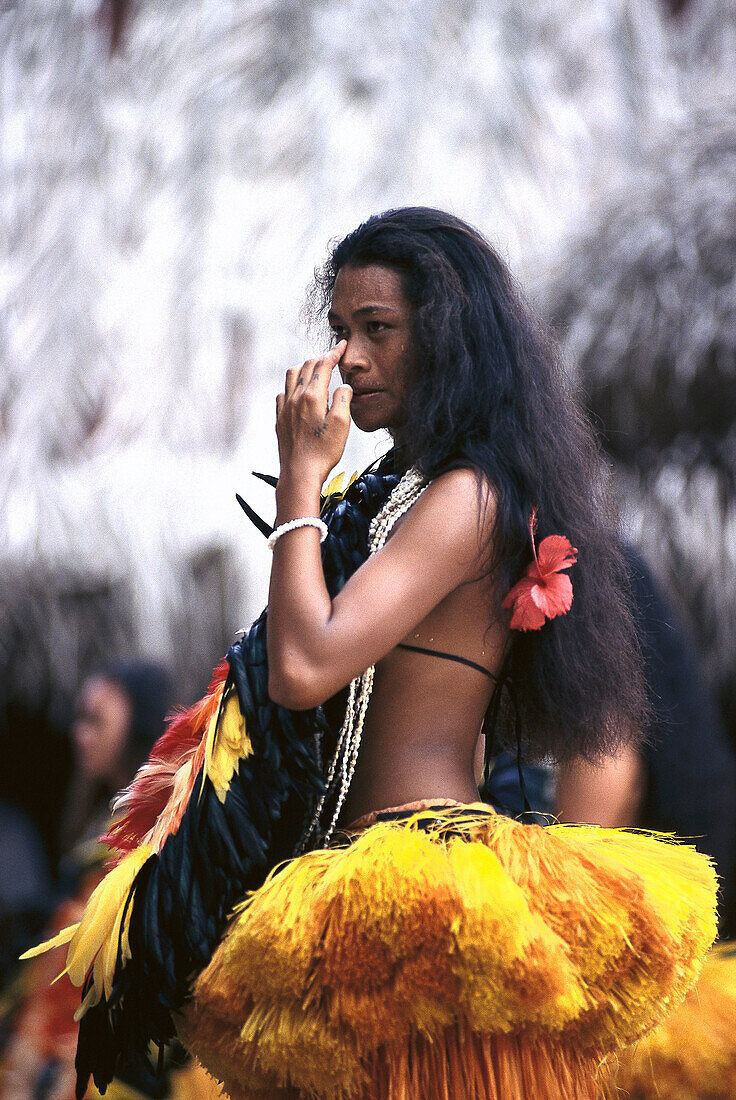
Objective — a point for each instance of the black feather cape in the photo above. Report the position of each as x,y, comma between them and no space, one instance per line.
182,897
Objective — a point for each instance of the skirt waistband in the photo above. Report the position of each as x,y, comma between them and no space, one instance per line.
428,814
397,813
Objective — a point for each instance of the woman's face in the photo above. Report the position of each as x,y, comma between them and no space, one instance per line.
369,311
101,728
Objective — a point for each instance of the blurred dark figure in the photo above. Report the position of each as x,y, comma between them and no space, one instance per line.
120,715
683,779
502,787
37,763
26,889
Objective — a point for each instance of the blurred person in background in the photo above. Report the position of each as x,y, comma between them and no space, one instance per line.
646,298
682,779
121,712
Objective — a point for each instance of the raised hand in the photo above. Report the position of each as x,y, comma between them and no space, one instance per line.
311,433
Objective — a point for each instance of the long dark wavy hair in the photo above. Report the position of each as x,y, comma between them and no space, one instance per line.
489,392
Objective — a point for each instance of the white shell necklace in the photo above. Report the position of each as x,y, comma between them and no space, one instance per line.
341,767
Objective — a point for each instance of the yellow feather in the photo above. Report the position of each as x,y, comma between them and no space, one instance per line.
693,1053
100,924
125,952
58,940
91,998
210,737
227,743
109,954
336,487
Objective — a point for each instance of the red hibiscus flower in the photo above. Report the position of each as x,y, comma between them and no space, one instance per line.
544,591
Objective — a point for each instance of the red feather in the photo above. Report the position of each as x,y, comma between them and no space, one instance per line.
148,796
543,592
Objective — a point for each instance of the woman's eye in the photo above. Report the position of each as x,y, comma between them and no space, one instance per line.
337,334
376,326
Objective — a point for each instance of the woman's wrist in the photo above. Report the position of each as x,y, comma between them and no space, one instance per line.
297,497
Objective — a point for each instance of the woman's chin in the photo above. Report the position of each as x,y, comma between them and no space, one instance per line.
375,420
367,423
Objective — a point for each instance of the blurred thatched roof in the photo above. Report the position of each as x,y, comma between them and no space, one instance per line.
646,301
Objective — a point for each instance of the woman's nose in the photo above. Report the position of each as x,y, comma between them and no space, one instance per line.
354,357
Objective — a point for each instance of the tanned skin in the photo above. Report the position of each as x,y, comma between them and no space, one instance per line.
428,586
608,793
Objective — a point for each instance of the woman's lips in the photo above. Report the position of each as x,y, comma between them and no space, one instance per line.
366,396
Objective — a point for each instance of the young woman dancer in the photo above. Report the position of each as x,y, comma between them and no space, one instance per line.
419,945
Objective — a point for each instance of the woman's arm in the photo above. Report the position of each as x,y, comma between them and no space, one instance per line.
317,645
609,793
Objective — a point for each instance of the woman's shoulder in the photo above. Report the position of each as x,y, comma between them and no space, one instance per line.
454,515
465,490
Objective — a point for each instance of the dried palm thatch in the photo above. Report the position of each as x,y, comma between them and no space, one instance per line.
646,301
703,44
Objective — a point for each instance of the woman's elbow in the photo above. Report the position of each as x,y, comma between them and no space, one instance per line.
296,688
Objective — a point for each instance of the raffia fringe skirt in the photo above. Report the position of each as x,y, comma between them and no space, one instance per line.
692,1055
456,954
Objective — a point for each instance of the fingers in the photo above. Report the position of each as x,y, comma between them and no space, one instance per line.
317,388
292,376
318,383
334,355
317,370
340,408
280,398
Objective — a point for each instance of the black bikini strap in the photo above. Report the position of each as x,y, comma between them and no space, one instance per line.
447,657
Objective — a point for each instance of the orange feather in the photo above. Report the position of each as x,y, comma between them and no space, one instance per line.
152,806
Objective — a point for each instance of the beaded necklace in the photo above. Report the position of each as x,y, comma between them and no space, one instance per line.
341,768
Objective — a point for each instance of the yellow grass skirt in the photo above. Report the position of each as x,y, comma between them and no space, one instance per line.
456,954
692,1055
